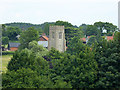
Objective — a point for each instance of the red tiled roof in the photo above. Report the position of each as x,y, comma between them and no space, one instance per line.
83,39
109,37
45,37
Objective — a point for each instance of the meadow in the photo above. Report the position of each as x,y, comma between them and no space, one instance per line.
5,61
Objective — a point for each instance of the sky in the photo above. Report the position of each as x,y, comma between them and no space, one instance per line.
76,12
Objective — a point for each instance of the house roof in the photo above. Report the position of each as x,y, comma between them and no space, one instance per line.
45,37
109,37
44,43
83,39
11,44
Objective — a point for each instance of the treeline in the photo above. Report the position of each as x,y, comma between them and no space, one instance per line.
25,26
81,66
11,31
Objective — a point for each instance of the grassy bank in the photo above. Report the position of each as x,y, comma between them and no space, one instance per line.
5,60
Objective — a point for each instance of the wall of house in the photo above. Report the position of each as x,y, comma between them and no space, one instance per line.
42,39
13,49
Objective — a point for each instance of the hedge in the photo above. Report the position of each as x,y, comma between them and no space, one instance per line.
7,52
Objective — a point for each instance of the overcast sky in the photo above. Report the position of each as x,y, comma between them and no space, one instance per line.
76,12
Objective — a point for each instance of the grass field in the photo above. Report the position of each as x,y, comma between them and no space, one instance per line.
5,60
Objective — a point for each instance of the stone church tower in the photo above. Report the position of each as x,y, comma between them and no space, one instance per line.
57,38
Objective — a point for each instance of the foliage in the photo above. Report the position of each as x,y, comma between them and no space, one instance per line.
91,30
108,58
25,78
106,25
92,40
79,69
5,40
22,26
12,32
75,46
28,36
28,69
40,31
46,29
83,27
80,66
63,23
7,52
39,27
70,32
28,58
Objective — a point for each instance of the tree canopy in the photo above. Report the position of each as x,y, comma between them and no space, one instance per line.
27,36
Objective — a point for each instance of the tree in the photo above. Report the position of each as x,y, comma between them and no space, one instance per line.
70,32
29,58
12,32
5,40
28,36
91,30
4,30
40,31
83,27
75,46
63,23
79,69
106,25
25,78
46,29
92,40
28,69
108,59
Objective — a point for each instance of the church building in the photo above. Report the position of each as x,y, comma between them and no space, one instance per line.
57,38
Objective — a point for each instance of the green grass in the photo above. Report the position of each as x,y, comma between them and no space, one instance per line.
5,60
17,41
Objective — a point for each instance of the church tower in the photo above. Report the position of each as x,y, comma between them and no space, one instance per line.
57,38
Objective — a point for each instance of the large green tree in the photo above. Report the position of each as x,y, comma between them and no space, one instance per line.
28,58
25,78
108,58
27,36
91,30
12,32
63,23
106,25
80,70
5,40
28,69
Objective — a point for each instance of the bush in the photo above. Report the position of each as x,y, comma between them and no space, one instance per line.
7,52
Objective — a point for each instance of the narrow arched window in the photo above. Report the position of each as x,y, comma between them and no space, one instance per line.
53,35
60,35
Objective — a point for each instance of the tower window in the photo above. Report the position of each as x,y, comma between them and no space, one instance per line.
60,35
53,35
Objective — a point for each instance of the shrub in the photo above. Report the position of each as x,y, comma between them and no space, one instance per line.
7,52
